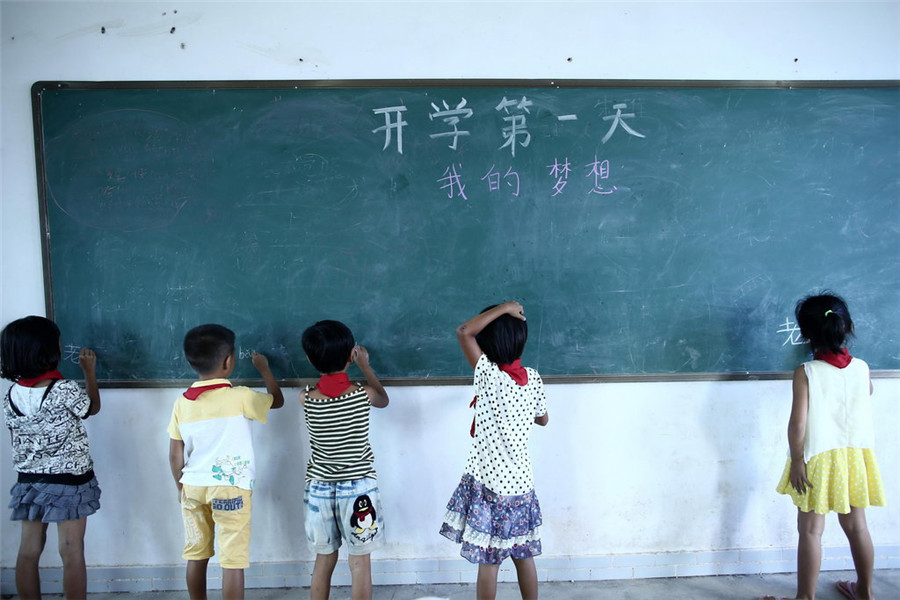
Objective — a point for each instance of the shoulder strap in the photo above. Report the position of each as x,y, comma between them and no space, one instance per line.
12,404
47,391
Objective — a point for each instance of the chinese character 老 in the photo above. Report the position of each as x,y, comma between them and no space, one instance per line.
793,330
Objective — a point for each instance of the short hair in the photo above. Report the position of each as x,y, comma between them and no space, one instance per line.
824,321
328,345
207,346
29,347
503,339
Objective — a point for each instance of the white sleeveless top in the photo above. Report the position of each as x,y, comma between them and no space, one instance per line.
840,407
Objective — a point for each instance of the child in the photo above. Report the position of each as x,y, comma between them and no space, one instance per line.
494,511
832,464
341,495
56,483
211,457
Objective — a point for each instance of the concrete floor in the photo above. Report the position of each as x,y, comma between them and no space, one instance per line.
724,587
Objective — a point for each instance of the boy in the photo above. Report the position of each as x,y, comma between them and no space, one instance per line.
211,456
341,495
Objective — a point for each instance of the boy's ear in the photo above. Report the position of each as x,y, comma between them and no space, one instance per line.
228,365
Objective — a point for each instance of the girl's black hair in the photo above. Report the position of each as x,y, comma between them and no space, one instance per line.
825,321
207,346
29,347
503,340
328,345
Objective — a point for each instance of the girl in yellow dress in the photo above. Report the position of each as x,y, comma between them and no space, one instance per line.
831,437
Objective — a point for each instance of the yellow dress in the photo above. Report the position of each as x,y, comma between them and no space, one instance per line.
840,479
838,449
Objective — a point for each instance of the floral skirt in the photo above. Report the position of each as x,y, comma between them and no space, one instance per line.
54,502
840,479
492,527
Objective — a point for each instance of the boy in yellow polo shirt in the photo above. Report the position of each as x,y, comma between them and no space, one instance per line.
211,456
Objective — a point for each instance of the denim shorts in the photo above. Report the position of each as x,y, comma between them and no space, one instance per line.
343,510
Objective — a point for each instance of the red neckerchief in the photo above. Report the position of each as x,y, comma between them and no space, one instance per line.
838,359
31,381
194,392
514,370
334,384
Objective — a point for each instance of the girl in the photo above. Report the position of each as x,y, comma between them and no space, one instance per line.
832,464
56,482
494,512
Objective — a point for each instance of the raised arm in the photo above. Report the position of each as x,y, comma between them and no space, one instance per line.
466,332
87,360
377,394
262,365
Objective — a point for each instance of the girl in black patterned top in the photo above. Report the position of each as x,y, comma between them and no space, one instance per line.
56,483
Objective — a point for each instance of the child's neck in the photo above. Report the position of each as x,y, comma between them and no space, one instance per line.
219,374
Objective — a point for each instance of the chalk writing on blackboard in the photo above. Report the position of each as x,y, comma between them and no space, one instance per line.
517,126
511,179
71,353
515,132
600,172
452,182
396,125
619,119
451,117
793,333
561,172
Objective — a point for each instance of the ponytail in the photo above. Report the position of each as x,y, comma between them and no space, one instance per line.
824,321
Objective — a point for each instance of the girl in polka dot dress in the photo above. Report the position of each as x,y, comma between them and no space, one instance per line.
832,462
494,512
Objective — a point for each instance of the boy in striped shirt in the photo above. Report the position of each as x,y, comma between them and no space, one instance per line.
341,496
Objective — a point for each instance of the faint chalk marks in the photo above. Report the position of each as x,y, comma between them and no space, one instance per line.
124,170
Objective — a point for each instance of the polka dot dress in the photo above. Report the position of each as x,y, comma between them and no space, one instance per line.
504,418
840,479
494,512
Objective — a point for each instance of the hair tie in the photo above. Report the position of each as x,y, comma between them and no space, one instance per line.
829,312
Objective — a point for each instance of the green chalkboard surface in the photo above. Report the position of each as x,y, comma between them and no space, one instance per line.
650,229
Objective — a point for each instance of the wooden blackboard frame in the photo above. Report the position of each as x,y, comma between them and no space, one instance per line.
39,87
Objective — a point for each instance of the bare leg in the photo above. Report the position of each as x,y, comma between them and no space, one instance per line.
232,584
321,577
857,531
196,578
486,588
71,550
809,553
361,577
28,577
526,573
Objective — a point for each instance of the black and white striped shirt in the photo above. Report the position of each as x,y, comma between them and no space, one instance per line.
339,437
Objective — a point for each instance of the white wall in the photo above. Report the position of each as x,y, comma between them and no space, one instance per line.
622,468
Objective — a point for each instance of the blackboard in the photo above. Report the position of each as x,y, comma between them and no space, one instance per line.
651,229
